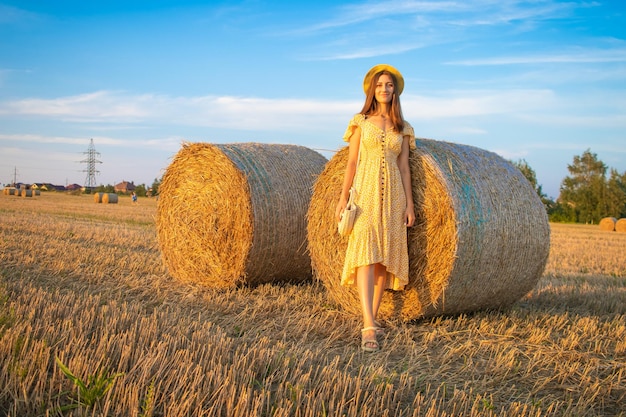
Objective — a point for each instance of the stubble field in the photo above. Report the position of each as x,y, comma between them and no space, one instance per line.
82,284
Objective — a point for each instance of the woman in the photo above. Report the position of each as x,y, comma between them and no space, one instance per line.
377,254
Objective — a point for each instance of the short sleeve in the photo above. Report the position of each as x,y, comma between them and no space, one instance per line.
408,131
355,122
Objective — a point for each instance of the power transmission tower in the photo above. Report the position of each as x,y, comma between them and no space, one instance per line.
91,161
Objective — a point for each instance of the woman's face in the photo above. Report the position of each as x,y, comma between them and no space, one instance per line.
384,89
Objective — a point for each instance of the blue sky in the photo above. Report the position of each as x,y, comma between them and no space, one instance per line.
539,80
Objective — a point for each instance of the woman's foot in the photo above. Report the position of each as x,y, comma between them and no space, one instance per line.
380,330
368,340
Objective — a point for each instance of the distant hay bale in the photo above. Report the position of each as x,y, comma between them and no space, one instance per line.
608,224
620,225
27,193
235,214
481,238
36,193
109,198
97,198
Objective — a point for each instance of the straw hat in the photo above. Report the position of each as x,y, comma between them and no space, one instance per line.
379,68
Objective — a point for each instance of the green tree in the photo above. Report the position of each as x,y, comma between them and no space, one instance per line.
140,190
155,186
615,204
531,176
105,188
584,190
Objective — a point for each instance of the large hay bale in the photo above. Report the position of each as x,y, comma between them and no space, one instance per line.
109,198
620,225
608,224
481,238
233,214
27,193
97,198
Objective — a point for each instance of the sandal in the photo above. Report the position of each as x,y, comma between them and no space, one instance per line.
369,345
380,330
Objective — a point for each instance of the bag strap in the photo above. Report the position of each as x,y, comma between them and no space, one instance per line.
358,160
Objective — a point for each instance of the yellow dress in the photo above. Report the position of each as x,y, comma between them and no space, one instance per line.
379,234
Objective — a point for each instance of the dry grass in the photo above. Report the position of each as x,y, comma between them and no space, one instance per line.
84,282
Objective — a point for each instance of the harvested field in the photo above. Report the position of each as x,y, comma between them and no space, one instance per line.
85,283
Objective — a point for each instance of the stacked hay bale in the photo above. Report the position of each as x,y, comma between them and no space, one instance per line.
481,238
234,214
109,198
608,224
620,225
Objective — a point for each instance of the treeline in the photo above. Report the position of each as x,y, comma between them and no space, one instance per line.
141,190
587,194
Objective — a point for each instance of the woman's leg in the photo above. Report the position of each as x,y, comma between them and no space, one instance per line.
365,278
380,274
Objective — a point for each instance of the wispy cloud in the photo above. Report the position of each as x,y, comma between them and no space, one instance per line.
576,57
388,26
168,144
108,110
14,15
454,104
241,113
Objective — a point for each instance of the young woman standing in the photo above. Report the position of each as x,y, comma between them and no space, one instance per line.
379,142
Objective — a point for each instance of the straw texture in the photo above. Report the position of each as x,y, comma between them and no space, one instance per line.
608,224
481,238
620,225
233,214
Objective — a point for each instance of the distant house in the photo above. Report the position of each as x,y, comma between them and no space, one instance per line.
74,187
124,187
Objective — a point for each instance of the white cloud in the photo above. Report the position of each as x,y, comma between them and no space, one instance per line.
476,103
242,113
171,143
583,56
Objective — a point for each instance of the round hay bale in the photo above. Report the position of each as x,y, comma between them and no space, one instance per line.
36,193
481,238
620,225
27,193
233,214
608,224
97,198
109,198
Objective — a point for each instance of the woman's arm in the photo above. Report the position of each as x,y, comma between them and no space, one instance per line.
405,173
353,156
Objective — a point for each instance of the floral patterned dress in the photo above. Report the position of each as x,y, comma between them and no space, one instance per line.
379,234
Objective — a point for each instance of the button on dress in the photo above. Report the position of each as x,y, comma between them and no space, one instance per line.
379,234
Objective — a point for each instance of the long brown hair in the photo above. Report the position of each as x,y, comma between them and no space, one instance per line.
371,104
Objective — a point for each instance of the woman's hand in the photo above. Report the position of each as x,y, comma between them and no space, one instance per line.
341,206
409,216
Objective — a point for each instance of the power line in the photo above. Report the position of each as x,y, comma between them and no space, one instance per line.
91,161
